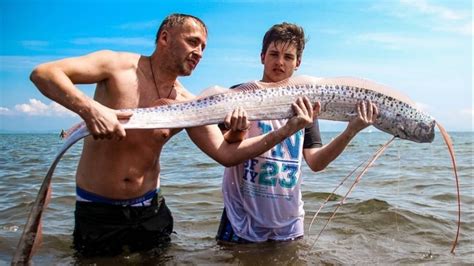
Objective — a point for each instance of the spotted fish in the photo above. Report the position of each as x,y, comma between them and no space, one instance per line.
398,116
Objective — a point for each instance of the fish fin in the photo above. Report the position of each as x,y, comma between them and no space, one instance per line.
248,86
213,90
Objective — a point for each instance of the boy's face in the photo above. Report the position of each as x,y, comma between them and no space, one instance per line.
279,61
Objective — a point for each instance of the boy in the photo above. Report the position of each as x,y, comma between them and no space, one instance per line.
262,196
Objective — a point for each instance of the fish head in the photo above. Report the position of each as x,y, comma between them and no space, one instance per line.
424,131
419,130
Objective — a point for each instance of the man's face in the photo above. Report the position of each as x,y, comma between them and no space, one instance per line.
279,61
187,44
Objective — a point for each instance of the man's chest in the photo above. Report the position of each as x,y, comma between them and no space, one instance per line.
127,92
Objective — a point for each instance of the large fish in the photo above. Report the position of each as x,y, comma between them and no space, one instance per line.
398,116
338,96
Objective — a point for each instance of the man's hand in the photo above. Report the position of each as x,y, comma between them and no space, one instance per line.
367,112
237,120
104,122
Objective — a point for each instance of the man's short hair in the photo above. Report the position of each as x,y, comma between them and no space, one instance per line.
175,20
285,33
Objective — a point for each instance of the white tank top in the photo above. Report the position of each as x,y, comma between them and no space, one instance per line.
262,196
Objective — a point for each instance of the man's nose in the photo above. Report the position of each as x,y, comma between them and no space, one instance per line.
198,51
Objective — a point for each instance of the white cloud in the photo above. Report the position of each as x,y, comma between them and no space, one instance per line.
37,108
439,11
138,41
444,18
5,111
465,29
428,15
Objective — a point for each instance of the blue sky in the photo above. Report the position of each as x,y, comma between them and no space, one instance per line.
420,47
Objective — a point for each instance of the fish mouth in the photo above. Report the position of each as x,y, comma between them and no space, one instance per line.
425,132
429,137
417,131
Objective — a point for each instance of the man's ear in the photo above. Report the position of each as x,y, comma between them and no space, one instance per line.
164,37
262,58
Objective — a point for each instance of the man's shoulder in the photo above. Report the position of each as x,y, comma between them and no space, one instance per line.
114,53
115,56
117,59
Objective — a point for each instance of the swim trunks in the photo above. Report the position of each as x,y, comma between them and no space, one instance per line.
226,233
108,227
145,200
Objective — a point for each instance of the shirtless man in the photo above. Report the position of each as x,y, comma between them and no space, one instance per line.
118,201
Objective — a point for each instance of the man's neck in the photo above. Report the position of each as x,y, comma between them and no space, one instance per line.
164,76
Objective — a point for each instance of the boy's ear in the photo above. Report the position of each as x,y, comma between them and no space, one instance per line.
262,58
298,61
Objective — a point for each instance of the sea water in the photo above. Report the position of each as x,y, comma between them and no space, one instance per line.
403,211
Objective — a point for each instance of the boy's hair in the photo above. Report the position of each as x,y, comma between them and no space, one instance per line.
176,19
285,33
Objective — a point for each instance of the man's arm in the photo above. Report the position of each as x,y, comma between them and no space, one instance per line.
210,139
319,158
56,81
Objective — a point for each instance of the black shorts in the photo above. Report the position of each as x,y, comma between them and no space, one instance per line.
104,229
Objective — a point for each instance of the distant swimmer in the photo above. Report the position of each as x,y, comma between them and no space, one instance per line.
62,135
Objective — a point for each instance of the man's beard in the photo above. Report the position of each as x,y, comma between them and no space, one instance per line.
183,70
180,65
